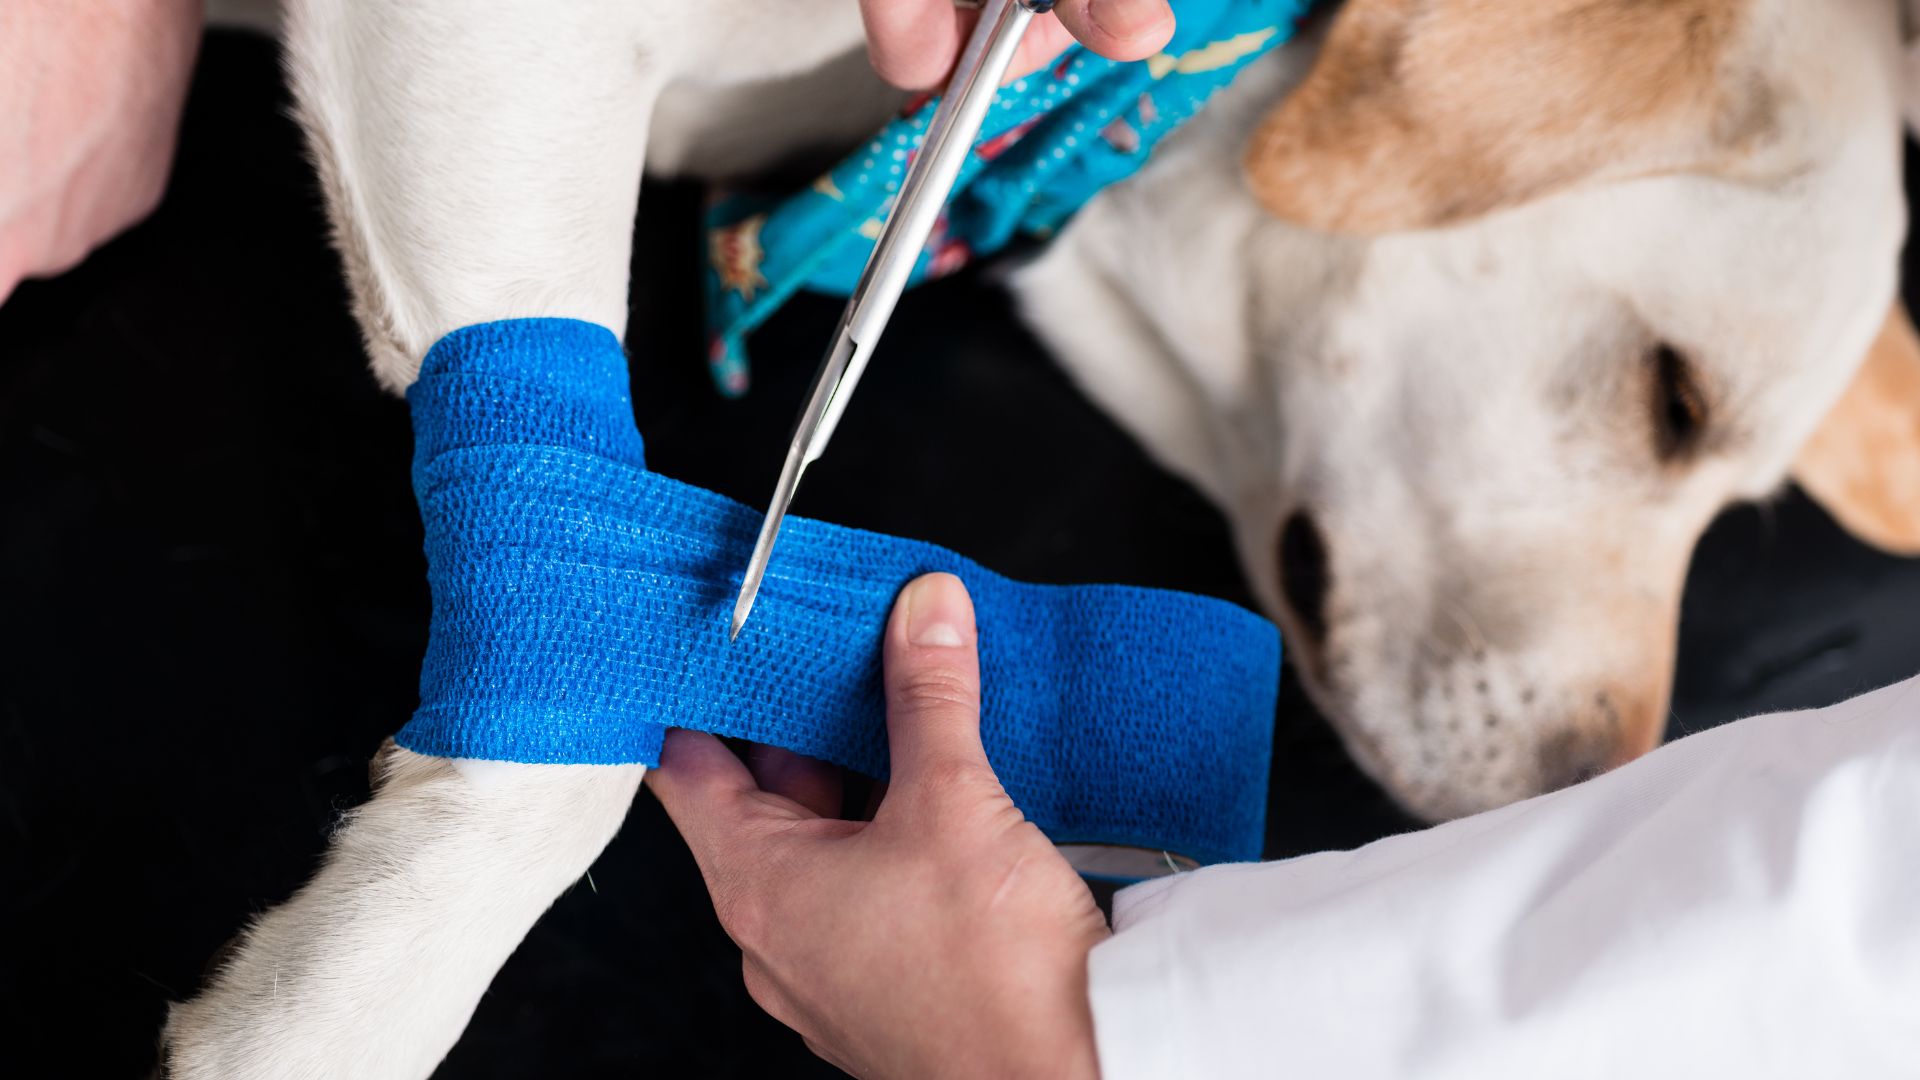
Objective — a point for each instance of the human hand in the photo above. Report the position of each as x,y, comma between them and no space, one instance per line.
914,43
947,936
90,98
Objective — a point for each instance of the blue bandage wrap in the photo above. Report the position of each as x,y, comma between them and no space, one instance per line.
581,603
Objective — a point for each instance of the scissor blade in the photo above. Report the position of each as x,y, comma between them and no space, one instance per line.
807,445
757,566
949,139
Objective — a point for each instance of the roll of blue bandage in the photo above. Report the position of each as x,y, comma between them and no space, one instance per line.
580,608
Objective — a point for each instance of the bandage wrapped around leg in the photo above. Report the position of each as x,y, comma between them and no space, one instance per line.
580,608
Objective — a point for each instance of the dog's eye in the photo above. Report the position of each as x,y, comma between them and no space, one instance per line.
1679,409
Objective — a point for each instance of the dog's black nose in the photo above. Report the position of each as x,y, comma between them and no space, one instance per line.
1303,573
1573,758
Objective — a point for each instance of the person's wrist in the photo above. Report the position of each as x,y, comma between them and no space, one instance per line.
1076,1057
1049,1036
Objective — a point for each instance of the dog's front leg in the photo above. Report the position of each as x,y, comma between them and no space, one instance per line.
372,969
481,161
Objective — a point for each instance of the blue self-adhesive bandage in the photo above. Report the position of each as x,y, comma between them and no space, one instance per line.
580,608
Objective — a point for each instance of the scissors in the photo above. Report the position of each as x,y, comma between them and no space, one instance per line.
949,138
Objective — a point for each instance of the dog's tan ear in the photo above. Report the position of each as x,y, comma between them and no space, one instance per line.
1420,113
1863,464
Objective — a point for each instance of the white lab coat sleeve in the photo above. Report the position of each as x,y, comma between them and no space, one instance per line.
1742,902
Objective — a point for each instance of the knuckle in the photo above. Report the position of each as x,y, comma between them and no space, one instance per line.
950,775
957,792
937,688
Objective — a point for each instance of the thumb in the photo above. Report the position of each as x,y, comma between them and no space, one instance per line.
932,675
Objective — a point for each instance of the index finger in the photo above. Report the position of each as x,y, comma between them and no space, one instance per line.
912,43
703,788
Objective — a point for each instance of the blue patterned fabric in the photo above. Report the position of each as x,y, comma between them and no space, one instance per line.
1050,142
581,607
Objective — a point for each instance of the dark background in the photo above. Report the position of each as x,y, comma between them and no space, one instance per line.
213,603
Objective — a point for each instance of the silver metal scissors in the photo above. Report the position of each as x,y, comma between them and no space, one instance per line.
949,138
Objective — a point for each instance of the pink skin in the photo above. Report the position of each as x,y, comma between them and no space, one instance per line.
90,99
944,937
913,43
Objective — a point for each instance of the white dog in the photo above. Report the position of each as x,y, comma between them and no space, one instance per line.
1470,337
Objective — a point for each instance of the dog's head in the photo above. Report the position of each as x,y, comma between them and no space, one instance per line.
1511,297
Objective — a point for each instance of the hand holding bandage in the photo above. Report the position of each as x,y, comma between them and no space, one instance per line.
946,936
580,609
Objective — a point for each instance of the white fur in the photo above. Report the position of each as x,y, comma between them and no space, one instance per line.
1457,408
482,160
372,969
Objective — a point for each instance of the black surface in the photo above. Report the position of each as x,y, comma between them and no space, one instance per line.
213,601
